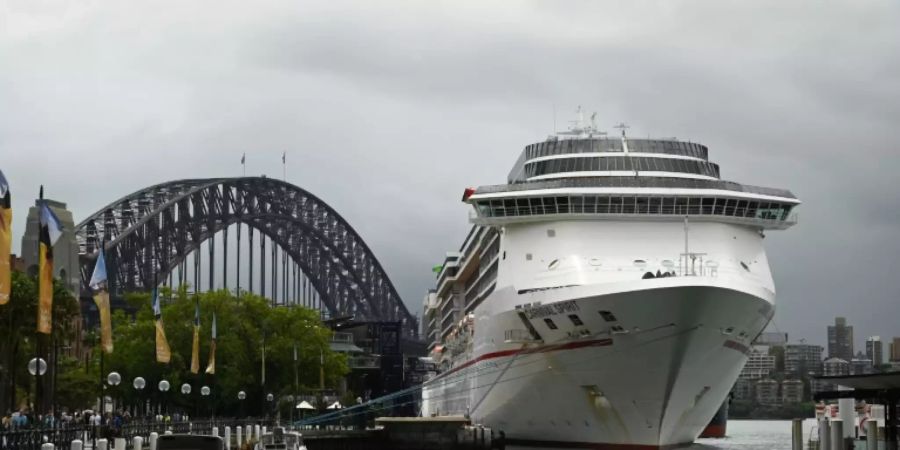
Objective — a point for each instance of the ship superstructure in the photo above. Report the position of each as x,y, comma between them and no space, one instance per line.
607,294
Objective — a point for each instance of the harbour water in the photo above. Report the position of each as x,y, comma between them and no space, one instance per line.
746,435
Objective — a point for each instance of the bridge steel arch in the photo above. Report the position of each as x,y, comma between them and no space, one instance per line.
148,233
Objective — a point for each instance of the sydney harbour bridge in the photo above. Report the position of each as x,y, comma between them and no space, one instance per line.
285,244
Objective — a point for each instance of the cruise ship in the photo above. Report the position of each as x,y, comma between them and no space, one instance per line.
606,295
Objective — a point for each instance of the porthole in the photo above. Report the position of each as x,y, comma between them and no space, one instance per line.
528,257
553,264
551,233
640,263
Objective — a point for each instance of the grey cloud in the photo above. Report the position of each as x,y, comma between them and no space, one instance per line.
388,111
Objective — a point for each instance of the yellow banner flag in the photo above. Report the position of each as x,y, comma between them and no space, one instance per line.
163,353
211,367
45,289
102,300
49,232
195,354
5,249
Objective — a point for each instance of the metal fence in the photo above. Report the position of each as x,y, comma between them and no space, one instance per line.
62,435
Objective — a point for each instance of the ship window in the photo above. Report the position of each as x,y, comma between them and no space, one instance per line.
590,204
668,205
720,203
577,203
510,206
523,209
562,204
641,204
730,206
550,323
681,205
654,205
575,320
741,208
608,316
551,233
752,208
527,256
708,205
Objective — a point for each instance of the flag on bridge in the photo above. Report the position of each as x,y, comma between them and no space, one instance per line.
5,240
50,229
211,367
163,353
100,284
195,353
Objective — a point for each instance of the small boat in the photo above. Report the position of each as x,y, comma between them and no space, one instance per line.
281,439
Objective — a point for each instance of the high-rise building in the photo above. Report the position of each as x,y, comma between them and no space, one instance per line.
840,340
759,365
836,367
803,359
894,353
767,392
66,265
874,350
791,391
861,365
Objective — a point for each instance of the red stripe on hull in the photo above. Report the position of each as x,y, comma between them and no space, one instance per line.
588,445
527,351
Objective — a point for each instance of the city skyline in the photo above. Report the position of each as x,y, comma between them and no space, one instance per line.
390,127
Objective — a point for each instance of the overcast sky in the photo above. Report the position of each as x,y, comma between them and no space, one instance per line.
388,111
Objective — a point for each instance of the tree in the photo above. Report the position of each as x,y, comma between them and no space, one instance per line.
18,321
245,324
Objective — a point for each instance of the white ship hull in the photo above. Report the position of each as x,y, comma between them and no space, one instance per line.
654,382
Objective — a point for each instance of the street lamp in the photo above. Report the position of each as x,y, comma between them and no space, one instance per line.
186,390
269,399
290,399
139,384
113,379
241,396
163,388
204,392
37,367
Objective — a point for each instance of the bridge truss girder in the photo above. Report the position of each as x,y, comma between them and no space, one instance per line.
150,232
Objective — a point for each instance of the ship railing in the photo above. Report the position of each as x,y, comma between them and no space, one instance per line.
777,217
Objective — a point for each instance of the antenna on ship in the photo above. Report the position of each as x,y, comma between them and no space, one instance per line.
622,126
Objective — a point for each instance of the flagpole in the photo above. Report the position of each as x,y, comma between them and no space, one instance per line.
37,333
284,166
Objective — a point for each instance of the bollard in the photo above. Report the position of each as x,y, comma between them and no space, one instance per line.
227,438
102,444
168,431
137,443
77,444
249,430
47,446
239,440
837,434
824,434
264,429
153,437
797,434
119,444
256,432
872,434
215,431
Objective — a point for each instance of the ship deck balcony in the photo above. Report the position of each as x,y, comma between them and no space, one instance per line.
764,214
